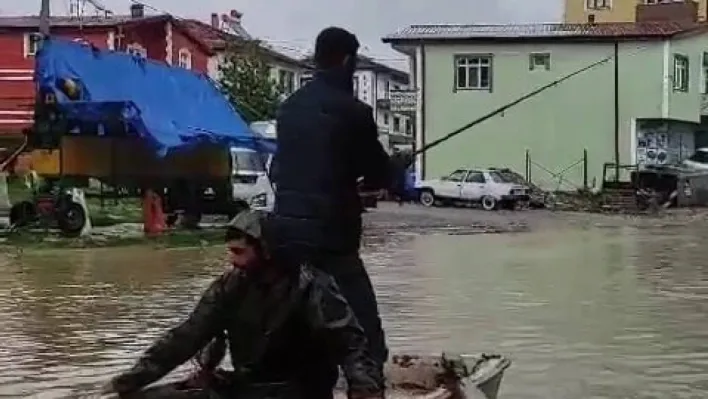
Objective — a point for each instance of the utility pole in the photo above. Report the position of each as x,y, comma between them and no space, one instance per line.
44,16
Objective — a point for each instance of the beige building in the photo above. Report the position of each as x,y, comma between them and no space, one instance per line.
583,11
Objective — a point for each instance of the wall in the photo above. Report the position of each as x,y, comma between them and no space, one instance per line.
150,36
621,11
16,71
555,125
686,106
200,60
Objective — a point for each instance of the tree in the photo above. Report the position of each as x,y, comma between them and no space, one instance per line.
246,80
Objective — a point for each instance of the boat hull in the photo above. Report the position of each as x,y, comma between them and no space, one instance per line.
407,377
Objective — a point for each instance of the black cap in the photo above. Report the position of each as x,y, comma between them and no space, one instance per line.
333,44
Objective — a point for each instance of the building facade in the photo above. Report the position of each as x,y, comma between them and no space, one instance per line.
155,37
285,70
600,11
651,76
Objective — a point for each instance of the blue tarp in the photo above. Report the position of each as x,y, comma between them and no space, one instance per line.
171,107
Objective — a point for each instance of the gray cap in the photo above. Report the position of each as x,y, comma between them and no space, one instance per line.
249,222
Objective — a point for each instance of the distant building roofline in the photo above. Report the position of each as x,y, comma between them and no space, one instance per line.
623,31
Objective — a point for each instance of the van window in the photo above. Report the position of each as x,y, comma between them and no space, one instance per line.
248,161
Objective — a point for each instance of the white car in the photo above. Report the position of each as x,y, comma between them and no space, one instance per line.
487,187
699,160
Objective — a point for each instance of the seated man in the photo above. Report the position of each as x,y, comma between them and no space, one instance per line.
285,326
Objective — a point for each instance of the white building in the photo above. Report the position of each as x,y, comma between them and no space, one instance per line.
287,71
374,84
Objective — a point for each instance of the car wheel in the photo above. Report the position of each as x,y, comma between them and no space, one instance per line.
427,198
489,203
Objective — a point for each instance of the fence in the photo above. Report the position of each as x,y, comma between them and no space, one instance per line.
559,177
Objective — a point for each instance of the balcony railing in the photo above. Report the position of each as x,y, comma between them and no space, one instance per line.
403,100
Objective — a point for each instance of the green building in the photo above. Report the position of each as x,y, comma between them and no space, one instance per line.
643,97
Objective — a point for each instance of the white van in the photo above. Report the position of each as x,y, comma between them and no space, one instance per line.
249,178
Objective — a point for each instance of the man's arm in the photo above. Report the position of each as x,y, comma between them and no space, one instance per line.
374,165
179,344
331,315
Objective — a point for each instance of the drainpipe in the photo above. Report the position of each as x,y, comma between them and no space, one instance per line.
617,124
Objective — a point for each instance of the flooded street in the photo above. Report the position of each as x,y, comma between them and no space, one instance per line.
583,311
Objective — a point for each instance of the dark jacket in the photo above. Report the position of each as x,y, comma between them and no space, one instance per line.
276,327
327,140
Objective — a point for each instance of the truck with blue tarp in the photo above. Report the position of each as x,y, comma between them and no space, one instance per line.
136,124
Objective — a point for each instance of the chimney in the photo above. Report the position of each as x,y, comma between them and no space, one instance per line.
591,19
675,11
215,20
137,10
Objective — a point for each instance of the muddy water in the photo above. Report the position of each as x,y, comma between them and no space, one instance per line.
584,313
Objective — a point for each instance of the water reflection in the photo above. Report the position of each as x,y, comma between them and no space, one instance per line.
585,313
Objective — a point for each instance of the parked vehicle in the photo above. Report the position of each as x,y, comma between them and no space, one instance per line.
250,182
699,160
486,187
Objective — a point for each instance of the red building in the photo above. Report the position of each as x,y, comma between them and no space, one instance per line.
159,37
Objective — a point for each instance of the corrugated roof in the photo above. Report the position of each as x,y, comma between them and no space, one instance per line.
32,21
629,30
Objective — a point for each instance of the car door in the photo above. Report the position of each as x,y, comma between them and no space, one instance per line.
451,185
474,186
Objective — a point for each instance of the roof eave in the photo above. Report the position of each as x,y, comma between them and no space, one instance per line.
572,39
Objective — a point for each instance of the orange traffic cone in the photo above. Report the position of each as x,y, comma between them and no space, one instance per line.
153,216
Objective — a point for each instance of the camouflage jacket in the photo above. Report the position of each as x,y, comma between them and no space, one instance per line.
274,324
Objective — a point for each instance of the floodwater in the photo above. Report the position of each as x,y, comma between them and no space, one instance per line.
584,313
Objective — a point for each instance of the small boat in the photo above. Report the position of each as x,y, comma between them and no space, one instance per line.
407,377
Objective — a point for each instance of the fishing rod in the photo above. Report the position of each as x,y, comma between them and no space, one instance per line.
501,109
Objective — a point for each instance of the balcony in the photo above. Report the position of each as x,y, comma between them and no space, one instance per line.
399,101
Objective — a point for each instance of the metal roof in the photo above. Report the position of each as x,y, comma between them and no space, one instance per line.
599,31
32,21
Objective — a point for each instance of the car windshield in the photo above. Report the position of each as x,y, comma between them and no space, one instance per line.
248,161
500,177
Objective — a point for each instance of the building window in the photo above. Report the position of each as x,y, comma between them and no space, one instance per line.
32,42
136,50
540,61
286,80
356,86
598,4
396,124
184,58
409,127
385,119
473,72
681,74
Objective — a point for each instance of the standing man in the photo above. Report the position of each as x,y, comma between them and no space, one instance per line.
327,141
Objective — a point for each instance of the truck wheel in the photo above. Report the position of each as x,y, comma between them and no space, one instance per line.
71,219
427,198
489,203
